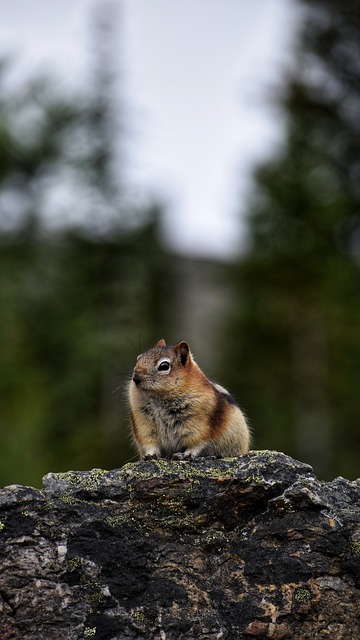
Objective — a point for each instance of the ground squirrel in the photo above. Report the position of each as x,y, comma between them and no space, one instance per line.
176,412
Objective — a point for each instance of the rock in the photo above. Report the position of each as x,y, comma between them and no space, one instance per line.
250,547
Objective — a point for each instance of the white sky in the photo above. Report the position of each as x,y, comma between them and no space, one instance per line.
197,78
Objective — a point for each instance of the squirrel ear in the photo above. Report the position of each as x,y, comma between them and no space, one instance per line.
161,343
182,349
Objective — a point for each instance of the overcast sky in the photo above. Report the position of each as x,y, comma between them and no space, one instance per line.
197,79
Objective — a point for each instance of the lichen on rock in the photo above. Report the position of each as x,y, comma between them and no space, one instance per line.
250,547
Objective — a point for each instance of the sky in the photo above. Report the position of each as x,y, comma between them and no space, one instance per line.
198,82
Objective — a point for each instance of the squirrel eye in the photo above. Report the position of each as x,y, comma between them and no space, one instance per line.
164,366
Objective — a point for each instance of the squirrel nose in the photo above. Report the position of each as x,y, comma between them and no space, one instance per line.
137,378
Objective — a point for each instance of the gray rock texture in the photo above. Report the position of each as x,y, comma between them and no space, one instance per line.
250,547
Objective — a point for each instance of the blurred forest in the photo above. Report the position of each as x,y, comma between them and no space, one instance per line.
74,301
280,326
294,353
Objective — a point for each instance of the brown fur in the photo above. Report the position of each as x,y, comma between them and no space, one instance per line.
177,412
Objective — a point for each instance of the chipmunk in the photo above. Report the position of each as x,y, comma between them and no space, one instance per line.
177,412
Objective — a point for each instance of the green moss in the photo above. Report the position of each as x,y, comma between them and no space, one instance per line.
97,474
302,595
212,538
2,526
162,464
355,547
68,500
89,632
139,615
180,469
97,597
74,563
70,477
266,452
48,506
89,583
117,519
215,536
76,479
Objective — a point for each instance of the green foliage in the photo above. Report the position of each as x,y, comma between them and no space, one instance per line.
294,346
72,311
76,305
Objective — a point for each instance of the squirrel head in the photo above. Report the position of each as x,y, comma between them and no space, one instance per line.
162,369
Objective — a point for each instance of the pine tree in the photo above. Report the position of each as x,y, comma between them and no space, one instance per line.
295,327
78,302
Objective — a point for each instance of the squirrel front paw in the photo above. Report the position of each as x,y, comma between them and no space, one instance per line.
186,455
151,456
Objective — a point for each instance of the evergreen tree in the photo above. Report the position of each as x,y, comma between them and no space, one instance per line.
76,304
295,326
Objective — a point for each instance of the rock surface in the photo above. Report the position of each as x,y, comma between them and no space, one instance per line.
250,547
